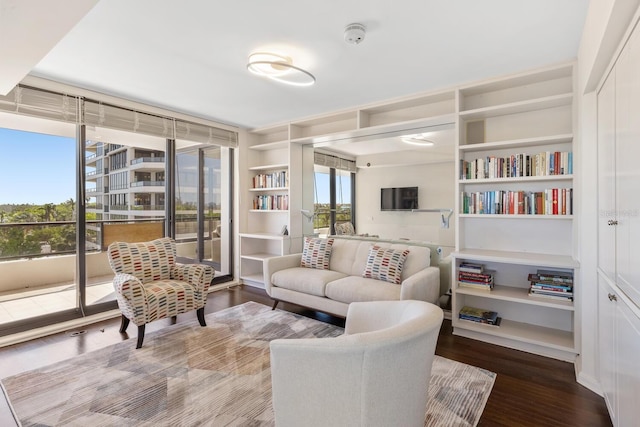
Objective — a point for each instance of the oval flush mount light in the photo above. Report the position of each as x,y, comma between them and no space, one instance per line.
279,68
417,139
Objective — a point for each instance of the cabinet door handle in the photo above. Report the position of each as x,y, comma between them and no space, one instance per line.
612,297
612,222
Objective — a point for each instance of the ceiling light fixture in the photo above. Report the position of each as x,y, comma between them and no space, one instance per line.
279,68
417,139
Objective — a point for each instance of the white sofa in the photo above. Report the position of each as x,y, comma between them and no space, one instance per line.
376,374
332,290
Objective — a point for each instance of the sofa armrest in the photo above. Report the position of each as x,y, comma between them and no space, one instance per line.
198,275
424,286
129,291
277,263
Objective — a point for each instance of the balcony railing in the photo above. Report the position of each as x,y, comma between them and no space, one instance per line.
147,160
39,239
119,207
147,184
147,207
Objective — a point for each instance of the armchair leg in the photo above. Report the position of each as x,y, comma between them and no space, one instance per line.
124,323
174,319
140,336
200,314
275,304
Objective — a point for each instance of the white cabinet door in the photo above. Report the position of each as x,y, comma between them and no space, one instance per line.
607,345
606,177
628,340
627,168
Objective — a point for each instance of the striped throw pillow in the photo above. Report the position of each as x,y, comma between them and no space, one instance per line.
316,253
385,264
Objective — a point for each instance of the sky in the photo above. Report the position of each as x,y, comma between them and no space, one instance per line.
36,168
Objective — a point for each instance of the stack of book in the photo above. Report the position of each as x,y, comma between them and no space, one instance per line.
479,315
475,276
552,284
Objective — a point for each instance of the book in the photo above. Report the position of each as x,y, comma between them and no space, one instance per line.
551,296
471,267
494,325
478,315
487,276
479,286
551,276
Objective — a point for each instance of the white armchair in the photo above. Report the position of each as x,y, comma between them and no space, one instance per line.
376,374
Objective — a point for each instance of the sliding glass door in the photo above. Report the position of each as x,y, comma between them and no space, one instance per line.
37,219
203,205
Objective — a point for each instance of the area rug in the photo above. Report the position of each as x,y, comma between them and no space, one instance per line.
187,375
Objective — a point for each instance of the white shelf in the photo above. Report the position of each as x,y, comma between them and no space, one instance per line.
508,180
517,143
270,189
269,167
518,107
270,146
258,256
267,236
523,332
515,294
269,210
523,258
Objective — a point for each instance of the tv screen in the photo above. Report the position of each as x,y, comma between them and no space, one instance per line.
399,199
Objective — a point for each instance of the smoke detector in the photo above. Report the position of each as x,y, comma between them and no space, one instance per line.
354,33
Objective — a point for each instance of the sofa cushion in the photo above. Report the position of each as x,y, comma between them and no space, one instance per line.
385,264
316,253
306,280
356,288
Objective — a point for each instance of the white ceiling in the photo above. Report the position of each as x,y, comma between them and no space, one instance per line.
190,56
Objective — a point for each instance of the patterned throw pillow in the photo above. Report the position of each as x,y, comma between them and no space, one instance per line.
316,253
385,264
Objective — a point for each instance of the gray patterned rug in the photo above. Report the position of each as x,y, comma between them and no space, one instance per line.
186,375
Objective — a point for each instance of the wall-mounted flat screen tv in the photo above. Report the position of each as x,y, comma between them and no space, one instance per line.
399,199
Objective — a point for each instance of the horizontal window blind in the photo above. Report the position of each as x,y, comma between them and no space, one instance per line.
63,107
334,162
110,116
40,103
207,134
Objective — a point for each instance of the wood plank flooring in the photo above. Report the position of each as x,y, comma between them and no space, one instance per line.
529,390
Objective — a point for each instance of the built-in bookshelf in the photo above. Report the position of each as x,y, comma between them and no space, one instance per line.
515,207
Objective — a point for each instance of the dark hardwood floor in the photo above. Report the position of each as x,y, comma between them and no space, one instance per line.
529,390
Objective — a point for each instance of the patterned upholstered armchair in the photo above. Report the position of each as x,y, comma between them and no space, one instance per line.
150,285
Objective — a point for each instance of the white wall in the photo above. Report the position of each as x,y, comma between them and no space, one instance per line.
435,190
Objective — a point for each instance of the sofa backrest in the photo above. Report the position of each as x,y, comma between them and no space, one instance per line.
349,256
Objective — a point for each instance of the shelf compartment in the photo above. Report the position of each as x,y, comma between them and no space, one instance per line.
515,294
407,110
516,143
518,107
335,123
541,83
523,258
523,332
